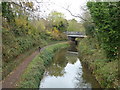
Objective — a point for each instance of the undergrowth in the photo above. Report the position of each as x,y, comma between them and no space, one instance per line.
106,72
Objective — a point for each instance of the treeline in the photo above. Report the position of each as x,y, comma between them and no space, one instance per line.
100,49
105,16
23,31
20,34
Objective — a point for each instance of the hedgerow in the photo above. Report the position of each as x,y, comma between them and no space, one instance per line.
105,16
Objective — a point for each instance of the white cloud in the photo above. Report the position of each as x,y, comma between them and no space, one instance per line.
57,5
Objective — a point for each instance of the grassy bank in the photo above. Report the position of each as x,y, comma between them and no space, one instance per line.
11,65
94,57
8,67
34,72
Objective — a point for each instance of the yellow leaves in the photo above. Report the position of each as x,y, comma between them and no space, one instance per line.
29,4
48,32
57,35
56,31
39,25
29,32
21,22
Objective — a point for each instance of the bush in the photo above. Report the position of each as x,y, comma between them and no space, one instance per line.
105,72
106,16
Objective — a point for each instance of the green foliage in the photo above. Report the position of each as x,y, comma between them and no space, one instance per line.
20,40
106,18
89,29
108,73
105,72
20,33
101,45
17,42
7,11
39,24
8,67
18,36
58,21
50,52
31,80
75,26
37,66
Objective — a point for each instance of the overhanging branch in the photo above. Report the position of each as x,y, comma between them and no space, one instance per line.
78,16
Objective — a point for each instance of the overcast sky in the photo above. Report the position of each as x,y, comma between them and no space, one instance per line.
57,5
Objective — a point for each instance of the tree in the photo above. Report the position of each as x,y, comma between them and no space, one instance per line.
75,26
58,21
106,18
7,11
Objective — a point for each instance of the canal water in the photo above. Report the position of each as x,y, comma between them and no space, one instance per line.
66,71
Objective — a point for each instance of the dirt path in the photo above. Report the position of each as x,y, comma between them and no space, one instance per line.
12,78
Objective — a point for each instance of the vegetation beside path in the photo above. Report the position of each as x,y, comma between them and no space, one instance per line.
34,72
21,33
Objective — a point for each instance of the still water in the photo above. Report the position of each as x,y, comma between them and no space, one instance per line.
66,71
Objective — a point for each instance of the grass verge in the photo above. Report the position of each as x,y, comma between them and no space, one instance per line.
106,72
7,68
34,72
14,63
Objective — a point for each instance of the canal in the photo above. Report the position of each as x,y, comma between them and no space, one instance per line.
66,71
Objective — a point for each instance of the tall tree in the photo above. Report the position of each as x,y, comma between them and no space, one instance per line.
75,26
58,21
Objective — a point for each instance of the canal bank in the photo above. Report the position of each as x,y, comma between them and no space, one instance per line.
34,72
105,72
58,66
66,71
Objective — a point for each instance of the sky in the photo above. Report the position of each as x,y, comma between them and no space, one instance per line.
59,5
74,7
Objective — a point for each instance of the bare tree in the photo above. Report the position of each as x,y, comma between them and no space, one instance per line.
84,18
78,16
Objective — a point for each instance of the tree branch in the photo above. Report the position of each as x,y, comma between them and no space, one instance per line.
78,16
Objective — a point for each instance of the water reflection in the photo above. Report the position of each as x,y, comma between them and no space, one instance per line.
67,80
66,71
72,47
58,64
87,78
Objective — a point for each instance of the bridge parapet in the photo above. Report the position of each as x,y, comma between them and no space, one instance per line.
73,33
